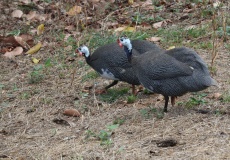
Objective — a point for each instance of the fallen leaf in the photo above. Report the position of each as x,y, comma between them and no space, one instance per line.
124,28
40,29
17,14
216,4
35,60
31,15
15,52
25,1
74,10
72,112
130,2
158,24
34,48
129,29
154,39
171,47
215,96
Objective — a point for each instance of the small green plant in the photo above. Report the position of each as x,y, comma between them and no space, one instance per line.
36,75
104,135
150,111
196,100
113,94
131,99
119,121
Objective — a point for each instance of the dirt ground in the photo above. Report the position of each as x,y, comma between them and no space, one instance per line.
32,124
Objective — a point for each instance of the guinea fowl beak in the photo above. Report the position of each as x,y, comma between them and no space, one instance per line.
77,51
119,42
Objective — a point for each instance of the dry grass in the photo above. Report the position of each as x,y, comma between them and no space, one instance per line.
27,111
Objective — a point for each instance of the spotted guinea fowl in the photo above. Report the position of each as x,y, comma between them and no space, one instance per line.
111,63
170,73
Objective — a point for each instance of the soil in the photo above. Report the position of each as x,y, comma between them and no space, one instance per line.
33,126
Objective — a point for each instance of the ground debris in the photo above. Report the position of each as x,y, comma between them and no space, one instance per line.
167,143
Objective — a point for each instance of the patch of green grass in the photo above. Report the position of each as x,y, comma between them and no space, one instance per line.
177,36
197,99
113,94
149,112
36,75
119,121
89,76
96,39
104,136
131,99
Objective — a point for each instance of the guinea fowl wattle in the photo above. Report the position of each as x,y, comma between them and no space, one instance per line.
170,73
111,63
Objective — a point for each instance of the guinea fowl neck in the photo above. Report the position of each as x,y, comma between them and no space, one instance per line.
128,52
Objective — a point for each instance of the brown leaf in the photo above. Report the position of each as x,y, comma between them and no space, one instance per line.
158,24
215,96
15,52
154,39
17,13
72,112
74,10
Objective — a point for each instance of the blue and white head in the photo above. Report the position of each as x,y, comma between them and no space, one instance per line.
125,41
83,50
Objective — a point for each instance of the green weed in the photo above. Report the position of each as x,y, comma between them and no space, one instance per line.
104,136
198,99
36,75
147,113
131,99
113,94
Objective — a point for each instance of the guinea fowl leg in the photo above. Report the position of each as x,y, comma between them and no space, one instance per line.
166,103
101,91
173,100
133,90
112,84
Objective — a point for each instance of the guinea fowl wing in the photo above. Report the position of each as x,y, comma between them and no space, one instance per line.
161,66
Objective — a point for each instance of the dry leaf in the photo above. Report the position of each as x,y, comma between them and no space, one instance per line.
124,28
130,2
171,47
25,1
17,13
129,29
31,15
40,29
216,4
15,52
34,48
154,39
158,24
72,112
74,10
35,60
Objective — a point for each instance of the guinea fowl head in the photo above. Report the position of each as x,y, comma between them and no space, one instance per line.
83,50
124,41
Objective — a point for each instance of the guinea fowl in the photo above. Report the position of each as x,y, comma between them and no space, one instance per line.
111,63
170,73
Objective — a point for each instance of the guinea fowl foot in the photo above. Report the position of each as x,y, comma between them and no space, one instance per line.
166,103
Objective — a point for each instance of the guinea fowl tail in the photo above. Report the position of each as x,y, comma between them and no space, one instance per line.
214,83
